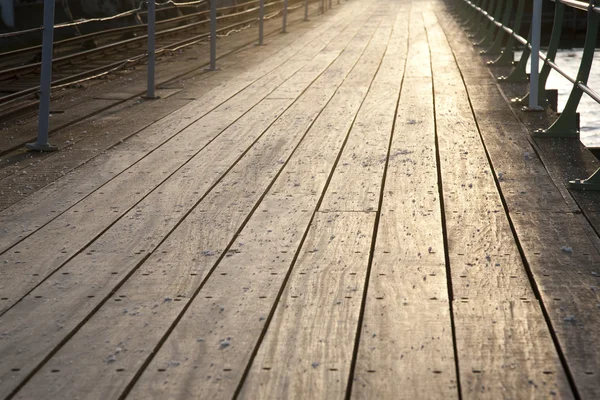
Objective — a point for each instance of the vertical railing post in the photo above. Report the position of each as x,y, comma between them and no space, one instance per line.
45,82
261,23
567,123
519,72
285,11
485,21
536,28
151,48
306,10
507,56
490,33
213,35
480,19
559,13
496,47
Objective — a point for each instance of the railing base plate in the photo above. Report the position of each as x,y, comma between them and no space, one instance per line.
534,109
46,148
585,184
545,133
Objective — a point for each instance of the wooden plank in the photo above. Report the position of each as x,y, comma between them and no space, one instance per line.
21,133
116,248
355,185
165,72
478,229
239,296
80,144
406,337
562,258
476,241
162,93
522,351
569,159
327,282
74,292
307,349
568,282
167,128
140,180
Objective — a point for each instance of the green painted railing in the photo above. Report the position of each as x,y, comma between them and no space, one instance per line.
490,19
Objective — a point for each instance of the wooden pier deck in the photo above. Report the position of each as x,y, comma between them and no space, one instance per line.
351,211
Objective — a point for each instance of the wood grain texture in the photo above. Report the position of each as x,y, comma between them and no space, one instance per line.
568,283
230,249
558,245
122,193
239,296
225,207
487,270
406,338
405,346
355,185
514,349
230,195
244,129
307,350
314,361
484,257
249,65
74,291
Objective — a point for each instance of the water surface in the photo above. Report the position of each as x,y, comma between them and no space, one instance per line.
589,110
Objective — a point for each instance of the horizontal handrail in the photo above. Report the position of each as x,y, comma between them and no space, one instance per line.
571,3
195,3
487,15
42,143
126,29
580,5
104,48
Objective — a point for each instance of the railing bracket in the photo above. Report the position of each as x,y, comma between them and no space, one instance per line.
45,148
532,109
591,183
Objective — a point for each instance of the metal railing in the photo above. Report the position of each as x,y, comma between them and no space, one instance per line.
491,19
42,141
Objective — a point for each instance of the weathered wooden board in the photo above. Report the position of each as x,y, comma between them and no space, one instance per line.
308,348
557,246
566,160
75,290
355,185
487,270
248,269
484,257
318,364
236,195
128,189
510,328
165,129
219,153
240,295
84,142
406,337
566,268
